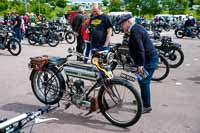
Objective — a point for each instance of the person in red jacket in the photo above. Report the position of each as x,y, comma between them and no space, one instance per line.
85,36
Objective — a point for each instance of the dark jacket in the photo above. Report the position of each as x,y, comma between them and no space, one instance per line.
140,46
77,22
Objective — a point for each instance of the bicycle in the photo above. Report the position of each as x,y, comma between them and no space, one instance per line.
16,124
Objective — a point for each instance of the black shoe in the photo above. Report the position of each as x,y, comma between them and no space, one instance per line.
147,110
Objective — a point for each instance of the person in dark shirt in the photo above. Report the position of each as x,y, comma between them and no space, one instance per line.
144,55
76,26
100,28
17,28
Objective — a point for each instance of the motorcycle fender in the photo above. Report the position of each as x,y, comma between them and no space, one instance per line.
13,38
176,45
32,73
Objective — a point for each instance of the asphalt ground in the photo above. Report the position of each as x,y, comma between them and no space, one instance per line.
175,100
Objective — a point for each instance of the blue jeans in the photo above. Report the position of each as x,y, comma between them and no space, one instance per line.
18,33
188,31
100,47
88,47
145,83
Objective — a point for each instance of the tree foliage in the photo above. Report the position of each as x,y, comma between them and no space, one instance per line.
145,7
115,5
61,3
105,2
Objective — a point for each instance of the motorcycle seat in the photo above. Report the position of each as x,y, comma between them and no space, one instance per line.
56,60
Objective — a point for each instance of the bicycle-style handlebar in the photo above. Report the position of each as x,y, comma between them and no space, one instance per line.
25,116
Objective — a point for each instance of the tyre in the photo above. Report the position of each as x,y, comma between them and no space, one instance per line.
198,35
32,39
175,57
116,29
70,37
162,70
120,110
14,47
47,86
167,28
179,34
53,40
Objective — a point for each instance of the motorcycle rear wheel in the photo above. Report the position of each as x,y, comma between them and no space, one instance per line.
47,86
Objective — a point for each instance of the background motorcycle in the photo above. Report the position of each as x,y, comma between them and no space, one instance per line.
8,41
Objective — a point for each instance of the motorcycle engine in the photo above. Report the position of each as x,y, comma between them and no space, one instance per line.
79,95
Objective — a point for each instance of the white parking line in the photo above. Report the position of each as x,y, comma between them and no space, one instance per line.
187,64
178,83
195,59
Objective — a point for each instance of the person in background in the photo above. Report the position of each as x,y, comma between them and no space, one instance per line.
100,28
85,36
32,19
144,54
26,19
17,27
188,26
76,26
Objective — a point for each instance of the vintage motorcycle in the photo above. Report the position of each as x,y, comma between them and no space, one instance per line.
116,98
44,35
8,41
171,51
123,59
181,32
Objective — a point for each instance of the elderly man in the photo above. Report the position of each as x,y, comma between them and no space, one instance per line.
100,28
144,55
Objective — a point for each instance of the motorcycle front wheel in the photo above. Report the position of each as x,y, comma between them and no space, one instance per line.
162,70
179,34
175,58
53,40
120,103
14,47
70,37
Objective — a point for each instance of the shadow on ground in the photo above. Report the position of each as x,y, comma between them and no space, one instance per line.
196,79
67,118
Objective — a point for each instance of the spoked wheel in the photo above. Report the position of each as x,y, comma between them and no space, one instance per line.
47,87
117,29
162,70
179,34
198,34
70,37
120,103
14,47
175,58
53,40
32,39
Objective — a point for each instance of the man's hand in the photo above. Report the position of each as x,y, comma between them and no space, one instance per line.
140,69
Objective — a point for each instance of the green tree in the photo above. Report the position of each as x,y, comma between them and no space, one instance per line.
61,3
150,7
105,2
115,5
3,5
176,6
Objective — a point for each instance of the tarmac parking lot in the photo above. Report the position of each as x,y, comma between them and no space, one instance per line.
175,100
